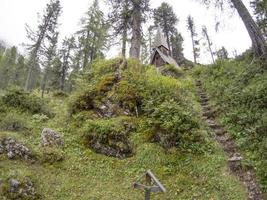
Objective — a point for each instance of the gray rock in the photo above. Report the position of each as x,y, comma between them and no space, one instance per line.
15,149
29,189
14,185
2,149
236,157
51,138
11,155
24,188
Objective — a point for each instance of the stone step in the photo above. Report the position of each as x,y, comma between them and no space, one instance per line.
235,158
198,83
203,96
213,125
202,93
208,113
206,107
204,103
219,131
222,138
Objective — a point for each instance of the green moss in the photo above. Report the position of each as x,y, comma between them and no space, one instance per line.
52,155
172,71
106,83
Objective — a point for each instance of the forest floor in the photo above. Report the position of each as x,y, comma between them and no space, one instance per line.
86,175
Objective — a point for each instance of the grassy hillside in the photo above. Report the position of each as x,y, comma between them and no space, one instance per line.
238,90
124,119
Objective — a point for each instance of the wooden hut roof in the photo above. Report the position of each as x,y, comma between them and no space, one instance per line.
168,59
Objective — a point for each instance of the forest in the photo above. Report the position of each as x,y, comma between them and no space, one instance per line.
75,124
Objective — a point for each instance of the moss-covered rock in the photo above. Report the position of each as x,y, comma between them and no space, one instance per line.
109,137
136,90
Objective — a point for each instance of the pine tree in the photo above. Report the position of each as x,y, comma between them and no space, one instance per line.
256,36
207,38
145,53
177,47
56,70
48,23
139,8
192,29
222,53
65,53
8,66
165,18
93,34
50,55
20,73
260,11
120,17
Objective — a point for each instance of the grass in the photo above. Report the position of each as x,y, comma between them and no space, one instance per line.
84,174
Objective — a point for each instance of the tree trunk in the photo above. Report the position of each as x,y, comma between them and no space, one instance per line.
150,42
193,44
44,82
136,33
124,41
63,77
65,67
258,41
32,64
125,29
209,44
167,37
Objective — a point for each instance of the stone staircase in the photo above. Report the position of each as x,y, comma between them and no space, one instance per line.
244,174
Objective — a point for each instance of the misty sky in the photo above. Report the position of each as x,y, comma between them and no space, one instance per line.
14,14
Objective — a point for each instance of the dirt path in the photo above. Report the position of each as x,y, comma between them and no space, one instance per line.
234,158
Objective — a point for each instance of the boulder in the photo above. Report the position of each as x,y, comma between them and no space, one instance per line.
14,149
51,138
20,189
2,149
14,185
115,146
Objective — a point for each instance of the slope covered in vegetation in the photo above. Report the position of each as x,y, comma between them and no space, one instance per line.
124,119
238,90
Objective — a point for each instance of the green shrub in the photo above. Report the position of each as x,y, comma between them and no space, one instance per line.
106,83
13,121
60,94
52,155
126,95
139,90
172,71
101,67
39,118
82,101
109,137
16,98
176,125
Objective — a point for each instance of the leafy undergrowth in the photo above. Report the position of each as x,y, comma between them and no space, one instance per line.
238,90
158,105
118,108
